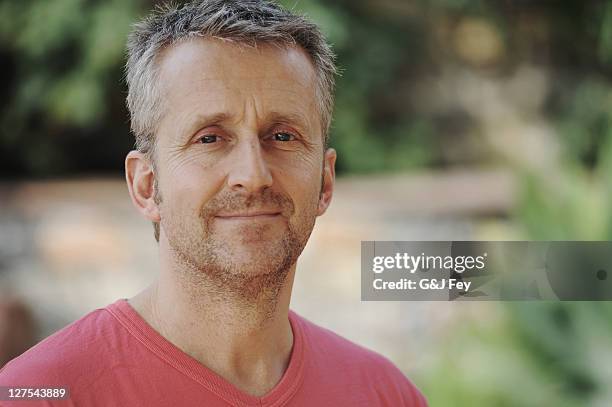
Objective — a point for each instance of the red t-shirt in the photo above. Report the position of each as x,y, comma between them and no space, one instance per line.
113,357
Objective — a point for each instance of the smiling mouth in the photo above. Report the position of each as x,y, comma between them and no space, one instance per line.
255,215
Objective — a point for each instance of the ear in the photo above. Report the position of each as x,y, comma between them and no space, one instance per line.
329,180
140,179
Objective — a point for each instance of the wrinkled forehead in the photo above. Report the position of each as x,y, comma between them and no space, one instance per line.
214,73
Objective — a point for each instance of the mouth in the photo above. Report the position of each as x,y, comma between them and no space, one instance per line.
249,215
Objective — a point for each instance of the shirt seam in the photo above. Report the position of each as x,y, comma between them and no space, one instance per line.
177,366
282,400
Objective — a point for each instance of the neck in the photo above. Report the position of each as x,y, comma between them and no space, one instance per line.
248,344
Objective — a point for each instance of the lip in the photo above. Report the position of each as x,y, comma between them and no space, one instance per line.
250,215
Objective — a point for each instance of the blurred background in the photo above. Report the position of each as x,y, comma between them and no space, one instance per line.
455,120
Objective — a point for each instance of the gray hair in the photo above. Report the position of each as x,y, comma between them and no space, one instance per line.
249,22
242,21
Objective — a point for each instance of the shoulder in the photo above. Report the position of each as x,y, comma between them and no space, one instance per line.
324,342
65,355
359,364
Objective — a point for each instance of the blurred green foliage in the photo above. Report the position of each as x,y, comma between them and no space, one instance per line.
62,113
538,354
62,104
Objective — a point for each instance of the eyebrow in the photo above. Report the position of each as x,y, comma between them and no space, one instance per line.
202,120
289,118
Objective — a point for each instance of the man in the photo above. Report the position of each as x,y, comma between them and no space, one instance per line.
231,104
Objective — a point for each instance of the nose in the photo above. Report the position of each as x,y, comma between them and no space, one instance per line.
249,170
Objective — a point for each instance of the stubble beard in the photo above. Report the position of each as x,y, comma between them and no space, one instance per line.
208,263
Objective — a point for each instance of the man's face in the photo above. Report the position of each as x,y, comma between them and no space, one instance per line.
240,160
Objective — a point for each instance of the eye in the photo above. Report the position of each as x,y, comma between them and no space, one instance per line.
283,136
208,139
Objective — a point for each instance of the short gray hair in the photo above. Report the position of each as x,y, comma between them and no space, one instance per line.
242,21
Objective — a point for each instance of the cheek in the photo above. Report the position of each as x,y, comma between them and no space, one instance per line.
302,185
190,186
303,166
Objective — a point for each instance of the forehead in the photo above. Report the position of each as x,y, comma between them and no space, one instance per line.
207,76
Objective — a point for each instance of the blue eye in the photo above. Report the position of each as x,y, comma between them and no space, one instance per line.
210,138
282,136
